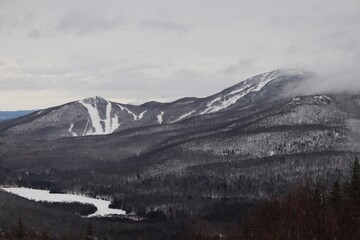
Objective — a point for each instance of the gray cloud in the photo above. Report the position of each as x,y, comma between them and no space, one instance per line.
36,33
336,80
140,50
164,26
83,22
241,66
10,23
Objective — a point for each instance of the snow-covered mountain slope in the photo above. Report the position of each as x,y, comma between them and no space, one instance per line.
267,86
265,144
90,116
98,116
262,141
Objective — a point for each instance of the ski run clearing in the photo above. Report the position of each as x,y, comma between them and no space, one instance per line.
45,196
111,123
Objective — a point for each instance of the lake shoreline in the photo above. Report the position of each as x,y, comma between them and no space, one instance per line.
38,195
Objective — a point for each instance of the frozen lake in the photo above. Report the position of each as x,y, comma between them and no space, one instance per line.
45,195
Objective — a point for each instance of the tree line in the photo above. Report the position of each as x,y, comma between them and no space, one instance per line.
20,232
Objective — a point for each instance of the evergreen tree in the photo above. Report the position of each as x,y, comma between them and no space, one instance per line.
19,231
45,236
335,194
355,180
89,234
2,234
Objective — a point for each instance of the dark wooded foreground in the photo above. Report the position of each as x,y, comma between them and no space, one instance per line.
307,213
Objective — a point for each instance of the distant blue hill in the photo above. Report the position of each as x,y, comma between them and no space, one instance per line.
6,115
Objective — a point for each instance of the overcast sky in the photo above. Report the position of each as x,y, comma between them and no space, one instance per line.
52,52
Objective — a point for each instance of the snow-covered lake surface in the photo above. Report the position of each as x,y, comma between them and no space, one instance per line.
44,195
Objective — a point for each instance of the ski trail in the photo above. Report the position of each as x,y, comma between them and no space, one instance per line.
160,117
70,130
136,117
110,123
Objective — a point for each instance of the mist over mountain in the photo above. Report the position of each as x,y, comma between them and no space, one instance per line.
344,80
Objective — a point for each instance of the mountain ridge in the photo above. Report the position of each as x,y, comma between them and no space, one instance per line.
96,115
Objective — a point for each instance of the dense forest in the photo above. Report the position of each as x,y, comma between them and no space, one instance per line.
20,232
321,210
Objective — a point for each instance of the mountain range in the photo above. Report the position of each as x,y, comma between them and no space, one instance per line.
6,115
98,116
257,138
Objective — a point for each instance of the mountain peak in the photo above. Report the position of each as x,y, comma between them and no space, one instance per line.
259,81
258,88
94,98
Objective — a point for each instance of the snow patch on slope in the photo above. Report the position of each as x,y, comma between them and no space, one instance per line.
265,79
128,111
136,117
160,117
141,115
115,122
94,118
184,116
110,124
86,127
228,99
322,97
40,112
232,97
70,130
